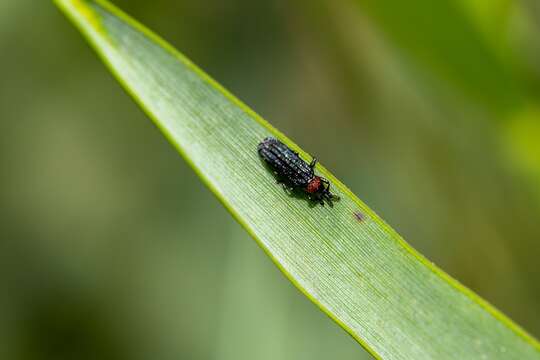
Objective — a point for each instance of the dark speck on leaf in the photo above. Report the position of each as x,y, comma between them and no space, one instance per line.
359,216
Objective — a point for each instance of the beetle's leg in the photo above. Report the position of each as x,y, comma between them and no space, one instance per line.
281,182
313,162
330,199
287,189
279,179
326,184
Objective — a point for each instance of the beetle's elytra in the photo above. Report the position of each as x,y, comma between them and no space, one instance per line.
293,172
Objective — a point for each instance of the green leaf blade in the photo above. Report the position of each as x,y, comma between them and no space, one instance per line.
358,271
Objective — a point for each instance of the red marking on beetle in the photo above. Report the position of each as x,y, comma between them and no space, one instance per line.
314,185
359,216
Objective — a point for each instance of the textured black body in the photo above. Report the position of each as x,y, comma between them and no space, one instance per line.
285,163
293,172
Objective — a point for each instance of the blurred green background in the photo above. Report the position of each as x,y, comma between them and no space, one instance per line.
111,248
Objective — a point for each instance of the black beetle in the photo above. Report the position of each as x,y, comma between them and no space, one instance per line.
293,172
